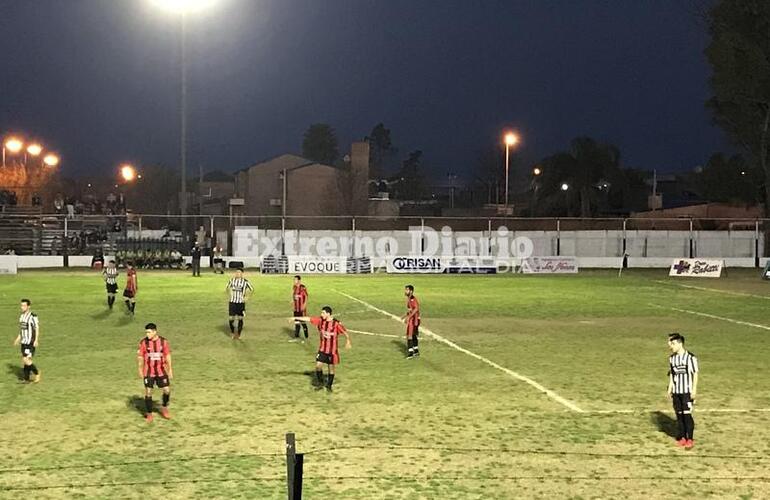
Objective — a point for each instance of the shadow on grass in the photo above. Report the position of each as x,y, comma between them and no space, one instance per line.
15,370
126,320
290,332
665,424
400,346
225,329
310,374
136,403
102,315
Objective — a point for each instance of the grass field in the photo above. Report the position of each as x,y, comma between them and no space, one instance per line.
445,426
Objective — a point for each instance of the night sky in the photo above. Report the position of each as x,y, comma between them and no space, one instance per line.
99,79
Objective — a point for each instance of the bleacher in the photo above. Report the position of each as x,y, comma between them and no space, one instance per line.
20,229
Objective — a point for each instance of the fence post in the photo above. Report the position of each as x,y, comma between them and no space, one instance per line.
756,243
625,244
558,237
294,465
66,245
211,232
422,236
691,249
140,227
353,228
489,233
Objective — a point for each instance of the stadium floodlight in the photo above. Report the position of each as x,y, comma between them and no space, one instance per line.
564,187
536,171
128,172
51,160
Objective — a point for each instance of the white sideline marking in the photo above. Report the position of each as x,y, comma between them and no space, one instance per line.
572,406
713,316
374,334
706,289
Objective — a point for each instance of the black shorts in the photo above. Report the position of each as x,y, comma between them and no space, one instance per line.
112,288
299,314
129,294
236,308
329,359
27,350
159,382
682,402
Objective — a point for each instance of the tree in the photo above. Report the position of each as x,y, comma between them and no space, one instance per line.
730,180
320,144
381,149
739,54
411,182
586,169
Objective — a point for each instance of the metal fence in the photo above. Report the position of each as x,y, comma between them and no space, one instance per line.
57,234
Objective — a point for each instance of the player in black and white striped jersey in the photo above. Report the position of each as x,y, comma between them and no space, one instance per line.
110,274
240,289
682,387
29,337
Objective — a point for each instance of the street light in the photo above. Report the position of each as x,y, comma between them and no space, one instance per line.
183,8
128,172
564,186
34,149
510,140
536,171
13,146
51,160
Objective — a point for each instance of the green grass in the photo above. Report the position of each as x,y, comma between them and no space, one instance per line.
444,426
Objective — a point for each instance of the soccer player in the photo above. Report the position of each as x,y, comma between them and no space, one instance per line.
240,290
329,329
131,288
412,320
28,337
154,361
110,274
299,299
682,387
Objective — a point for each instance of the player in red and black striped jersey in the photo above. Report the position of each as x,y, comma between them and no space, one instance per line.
132,287
412,320
154,362
299,301
329,330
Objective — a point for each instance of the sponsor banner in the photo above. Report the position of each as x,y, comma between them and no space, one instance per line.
699,268
549,265
299,264
303,264
441,265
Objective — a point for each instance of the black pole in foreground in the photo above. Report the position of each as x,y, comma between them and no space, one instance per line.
294,462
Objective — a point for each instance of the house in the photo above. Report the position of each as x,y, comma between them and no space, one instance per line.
295,186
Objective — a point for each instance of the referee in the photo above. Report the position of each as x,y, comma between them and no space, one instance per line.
682,387
29,336
240,289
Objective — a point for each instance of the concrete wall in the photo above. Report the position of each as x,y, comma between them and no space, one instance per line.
645,248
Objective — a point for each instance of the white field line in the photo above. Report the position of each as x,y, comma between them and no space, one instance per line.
713,316
707,289
572,406
374,334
